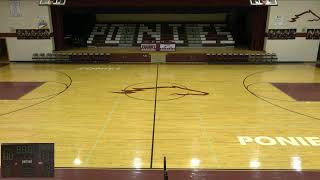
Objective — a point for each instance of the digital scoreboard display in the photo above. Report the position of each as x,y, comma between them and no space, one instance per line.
27,160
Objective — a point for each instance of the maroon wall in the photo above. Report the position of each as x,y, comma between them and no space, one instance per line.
181,57
130,57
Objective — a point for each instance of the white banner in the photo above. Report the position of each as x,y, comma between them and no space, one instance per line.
15,8
167,47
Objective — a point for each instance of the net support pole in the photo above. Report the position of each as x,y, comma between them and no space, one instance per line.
165,172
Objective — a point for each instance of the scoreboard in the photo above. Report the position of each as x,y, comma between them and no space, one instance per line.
27,160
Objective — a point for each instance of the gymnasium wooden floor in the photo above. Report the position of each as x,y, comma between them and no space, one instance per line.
131,115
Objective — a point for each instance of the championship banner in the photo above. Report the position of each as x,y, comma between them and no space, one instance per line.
167,47
148,47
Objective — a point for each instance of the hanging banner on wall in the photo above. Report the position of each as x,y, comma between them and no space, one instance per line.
15,8
313,34
149,47
164,47
167,47
33,33
42,22
283,34
278,20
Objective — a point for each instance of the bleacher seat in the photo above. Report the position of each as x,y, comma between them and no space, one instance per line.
188,35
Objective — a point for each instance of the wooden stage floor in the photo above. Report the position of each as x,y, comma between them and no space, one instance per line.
198,116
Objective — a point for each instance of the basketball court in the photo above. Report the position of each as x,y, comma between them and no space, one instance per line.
199,90
133,115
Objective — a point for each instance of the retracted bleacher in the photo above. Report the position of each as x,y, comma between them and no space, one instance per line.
183,35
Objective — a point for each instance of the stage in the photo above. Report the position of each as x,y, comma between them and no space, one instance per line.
188,50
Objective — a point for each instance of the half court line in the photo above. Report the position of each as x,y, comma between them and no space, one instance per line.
154,115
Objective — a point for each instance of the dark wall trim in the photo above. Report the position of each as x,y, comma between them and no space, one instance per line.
297,34
156,3
8,35
157,10
301,34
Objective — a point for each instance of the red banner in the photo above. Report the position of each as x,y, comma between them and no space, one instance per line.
149,47
163,47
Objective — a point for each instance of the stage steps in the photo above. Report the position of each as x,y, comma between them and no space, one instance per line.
158,57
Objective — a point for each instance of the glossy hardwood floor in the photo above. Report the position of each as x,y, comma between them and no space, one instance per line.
103,115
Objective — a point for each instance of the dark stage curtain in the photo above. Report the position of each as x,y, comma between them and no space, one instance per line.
259,17
58,29
319,54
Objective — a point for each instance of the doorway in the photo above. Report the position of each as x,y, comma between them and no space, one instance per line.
3,51
319,53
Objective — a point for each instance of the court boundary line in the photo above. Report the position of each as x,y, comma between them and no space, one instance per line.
192,169
266,97
45,100
269,102
154,117
42,97
188,169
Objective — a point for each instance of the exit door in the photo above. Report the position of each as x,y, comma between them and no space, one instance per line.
319,53
3,51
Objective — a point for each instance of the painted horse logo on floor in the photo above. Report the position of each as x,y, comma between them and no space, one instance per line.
165,91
